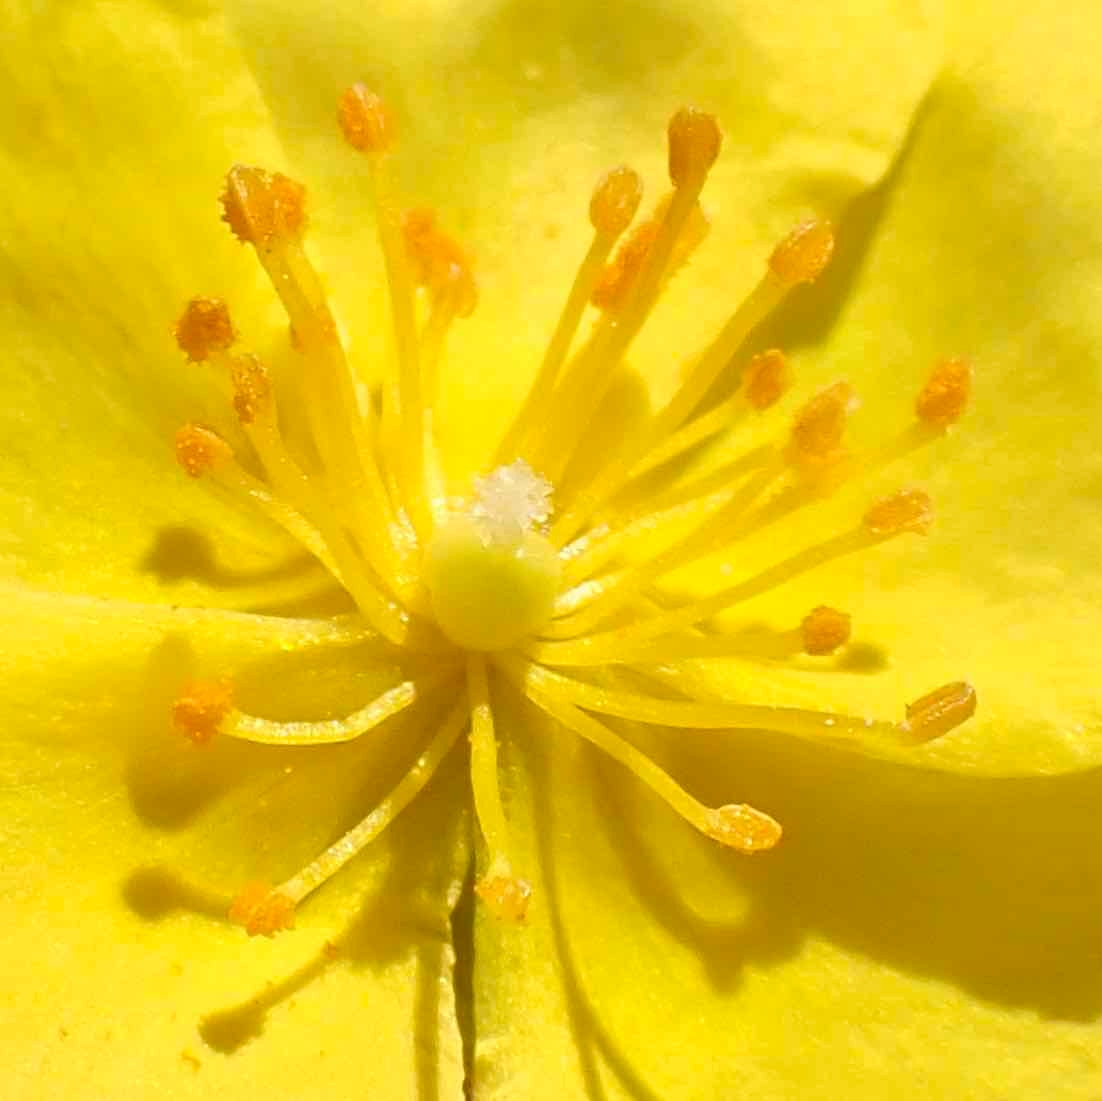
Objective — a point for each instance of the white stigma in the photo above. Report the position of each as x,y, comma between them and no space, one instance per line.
511,501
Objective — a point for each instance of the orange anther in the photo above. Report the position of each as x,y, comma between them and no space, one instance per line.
743,828
694,142
944,398
199,449
506,897
252,388
202,708
766,378
819,426
824,630
204,327
940,711
440,264
261,206
619,277
904,510
615,201
365,120
804,253
262,911
614,285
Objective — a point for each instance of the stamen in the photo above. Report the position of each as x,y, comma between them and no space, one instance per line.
262,207
696,714
766,379
945,396
719,520
738,826
804,253
361,106
441,266
365,120
615,200
815,443
694,142
506,895
296,504
262,911
201,450
252,389
438,262
940,404
743,828
824,630
613,290
611,209
204,327
904,510
199,712
694,139
271,912
250,728
939,711
620,274
268,211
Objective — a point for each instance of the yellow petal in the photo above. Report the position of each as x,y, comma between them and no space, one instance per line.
115,128
123,848
985,244
911,932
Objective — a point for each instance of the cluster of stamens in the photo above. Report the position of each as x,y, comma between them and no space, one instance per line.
523,587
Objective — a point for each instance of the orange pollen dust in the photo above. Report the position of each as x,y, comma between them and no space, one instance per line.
204,327
941,710
804,253
766,379
262,911
202,708
199,449
945,396
694,143
261,207
904,510
365,120
824,630
615,201
440,264
252,388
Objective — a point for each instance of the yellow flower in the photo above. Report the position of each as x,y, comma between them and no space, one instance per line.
914,927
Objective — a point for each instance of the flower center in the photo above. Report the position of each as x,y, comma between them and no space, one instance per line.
492,575
494,594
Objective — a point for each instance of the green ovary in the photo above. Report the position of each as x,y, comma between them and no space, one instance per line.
489,593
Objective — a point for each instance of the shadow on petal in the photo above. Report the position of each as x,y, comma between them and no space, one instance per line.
988,884
593,1040
295,585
